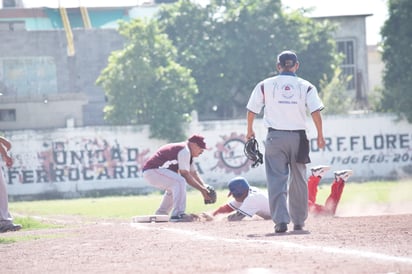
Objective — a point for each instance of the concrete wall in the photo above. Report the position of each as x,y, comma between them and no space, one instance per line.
49,111
73,75
72,162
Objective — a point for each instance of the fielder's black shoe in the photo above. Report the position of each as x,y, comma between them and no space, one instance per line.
281,228
182,218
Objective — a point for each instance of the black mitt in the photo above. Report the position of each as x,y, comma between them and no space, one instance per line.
252,152
212,195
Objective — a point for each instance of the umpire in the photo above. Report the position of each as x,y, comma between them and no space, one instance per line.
286,98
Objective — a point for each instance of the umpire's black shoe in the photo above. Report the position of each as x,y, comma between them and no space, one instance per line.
10,227
297,227
281,227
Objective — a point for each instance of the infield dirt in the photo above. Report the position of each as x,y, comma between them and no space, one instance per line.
365,244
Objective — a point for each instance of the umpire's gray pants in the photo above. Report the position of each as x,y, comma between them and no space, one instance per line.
281,150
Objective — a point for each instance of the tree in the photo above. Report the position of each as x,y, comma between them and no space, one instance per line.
194,32
231,45
397,46
334,94
144,84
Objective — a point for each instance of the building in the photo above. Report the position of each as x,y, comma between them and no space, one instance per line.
350,36
53,49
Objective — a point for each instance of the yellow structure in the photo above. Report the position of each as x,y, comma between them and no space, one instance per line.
68,30
85,18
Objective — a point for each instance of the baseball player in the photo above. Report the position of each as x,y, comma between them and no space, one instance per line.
169,169
6,220
337,186
247,201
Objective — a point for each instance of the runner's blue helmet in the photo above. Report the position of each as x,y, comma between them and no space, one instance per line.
238,186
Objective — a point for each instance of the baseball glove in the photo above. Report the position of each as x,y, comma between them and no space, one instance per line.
212,195
252,152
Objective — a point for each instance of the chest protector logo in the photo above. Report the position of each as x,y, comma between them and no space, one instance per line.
287,91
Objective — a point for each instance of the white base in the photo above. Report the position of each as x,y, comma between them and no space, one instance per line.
150,218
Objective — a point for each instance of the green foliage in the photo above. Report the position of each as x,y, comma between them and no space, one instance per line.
206,59
317,53
375,100
231,45
334,94
195,33
397,46
145,85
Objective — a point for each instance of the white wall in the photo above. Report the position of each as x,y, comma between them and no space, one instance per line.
100,158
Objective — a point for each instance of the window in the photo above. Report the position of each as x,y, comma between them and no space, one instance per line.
7,115
347,48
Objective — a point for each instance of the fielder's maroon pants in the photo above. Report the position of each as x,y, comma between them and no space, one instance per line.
331,202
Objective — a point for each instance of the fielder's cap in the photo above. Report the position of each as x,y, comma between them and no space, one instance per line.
287,58
238,186
199,140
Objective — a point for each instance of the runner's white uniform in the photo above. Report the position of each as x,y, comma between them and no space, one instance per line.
256,203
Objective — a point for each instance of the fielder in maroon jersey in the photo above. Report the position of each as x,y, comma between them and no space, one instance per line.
169,169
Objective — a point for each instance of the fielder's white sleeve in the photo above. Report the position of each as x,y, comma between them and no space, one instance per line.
183,159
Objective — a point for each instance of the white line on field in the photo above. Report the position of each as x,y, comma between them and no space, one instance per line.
287,245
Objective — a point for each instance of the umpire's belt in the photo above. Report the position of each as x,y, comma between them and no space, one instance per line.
303,150
286,130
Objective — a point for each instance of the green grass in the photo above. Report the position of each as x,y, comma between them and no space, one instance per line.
22,238
28,223
124,207
372,192
7,240
109,207
31,223
128,206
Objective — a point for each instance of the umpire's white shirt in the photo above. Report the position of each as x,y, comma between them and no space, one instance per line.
286,98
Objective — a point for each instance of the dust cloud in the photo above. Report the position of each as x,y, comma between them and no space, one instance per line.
398,201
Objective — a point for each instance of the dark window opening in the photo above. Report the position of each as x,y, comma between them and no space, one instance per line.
7,115
348,65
